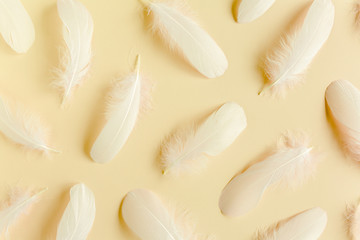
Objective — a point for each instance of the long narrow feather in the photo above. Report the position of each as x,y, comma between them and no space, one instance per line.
77,32
343,100
187,149
18,204
286,66
290,164
183,33
127,99
307,225
353,221
23,128
250,10
79,214
16,26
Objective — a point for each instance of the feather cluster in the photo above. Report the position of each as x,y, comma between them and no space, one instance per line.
250,10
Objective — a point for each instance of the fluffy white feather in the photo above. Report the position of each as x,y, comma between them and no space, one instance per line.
18,204
353,221
23,128
79,214
290,164
250,10
343,100
187,149
307,225
183,33
77,33
286,66
16,26
128,97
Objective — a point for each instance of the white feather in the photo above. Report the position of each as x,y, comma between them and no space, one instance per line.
127,99
353,221
285,68
79,214
186,150
16,26
307,225
343,100
77,33
250,10
186,35
23,128
291,163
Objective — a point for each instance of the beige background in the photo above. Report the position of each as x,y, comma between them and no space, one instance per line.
182,95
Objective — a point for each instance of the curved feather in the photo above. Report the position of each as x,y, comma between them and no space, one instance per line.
185,151
77,33
79,214
307,225
291,163
285,68
16,26
185,34
250,10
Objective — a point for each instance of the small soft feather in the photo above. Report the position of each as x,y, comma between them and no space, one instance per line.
291,163
352,215
79,214
187,149
16,26
185,34
250,10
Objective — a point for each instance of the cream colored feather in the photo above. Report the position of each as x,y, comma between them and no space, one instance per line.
250,10
79,214
343,100
23,128
291,163
77,33
353,221
286,66
307,225
16,26
187,149
127,99
183,33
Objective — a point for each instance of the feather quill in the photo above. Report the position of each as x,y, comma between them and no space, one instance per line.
127,99
79,214
16,26
307,225
23,128
77,33
353,221
291,163
183,33
286,66
250,10
186,150
343,100
18,204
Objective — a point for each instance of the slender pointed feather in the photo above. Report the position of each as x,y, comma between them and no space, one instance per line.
79,214
307,225
250,10
286,66
185,34
16,26
186,150
77,33
353,221
291,164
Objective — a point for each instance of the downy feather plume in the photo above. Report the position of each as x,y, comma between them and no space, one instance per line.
18,204
291,163
343,101
187,149
146,215
286,66
357,13
77,33
23,128
250,10
16,26
307,225
79,214
127,99
352,215
184,34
